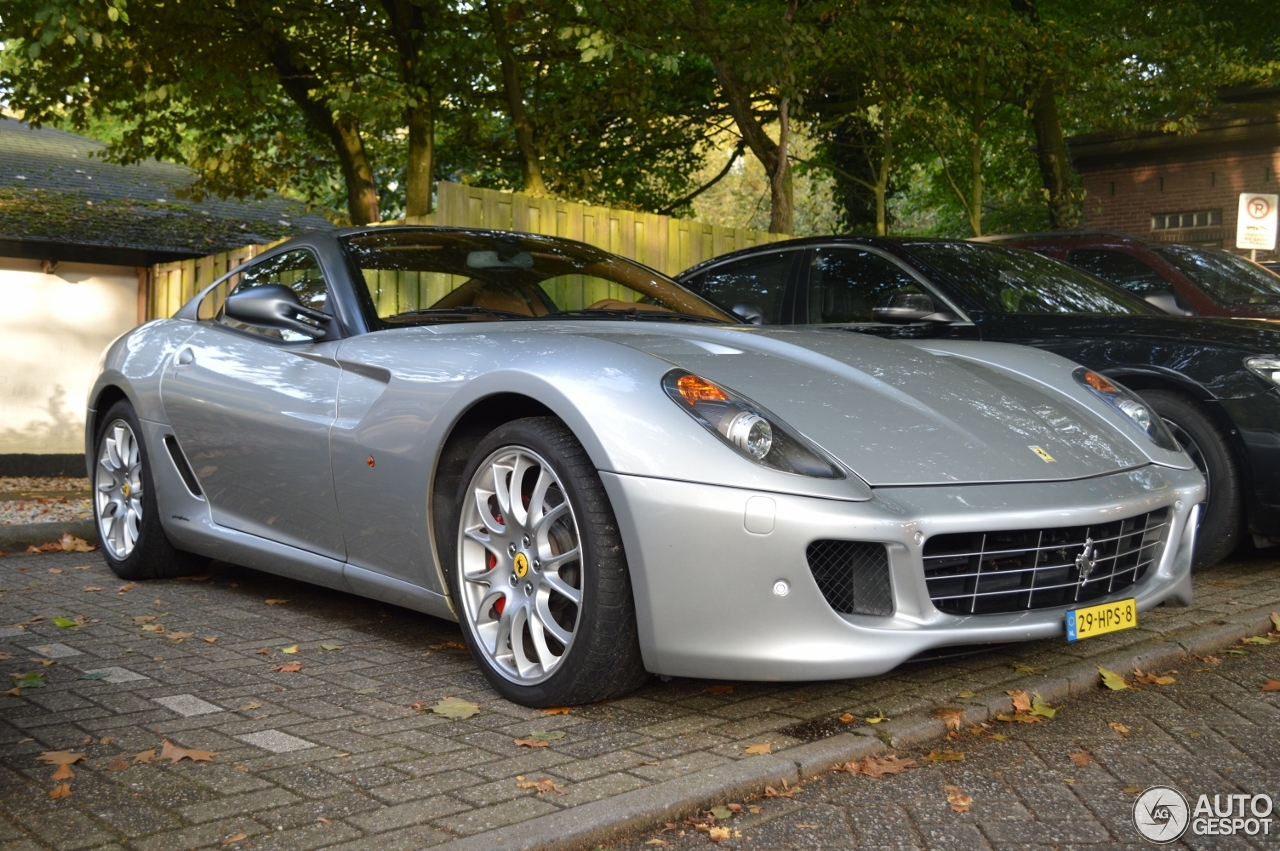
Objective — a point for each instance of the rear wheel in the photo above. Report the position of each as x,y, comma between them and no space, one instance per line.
539,576
124,504
1222,513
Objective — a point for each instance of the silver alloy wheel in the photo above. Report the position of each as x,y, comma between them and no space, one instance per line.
520,565
1193,450
118,489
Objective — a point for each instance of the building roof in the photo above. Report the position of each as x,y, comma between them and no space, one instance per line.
60,200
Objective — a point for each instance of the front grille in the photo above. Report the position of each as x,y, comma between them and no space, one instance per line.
853,576
976,573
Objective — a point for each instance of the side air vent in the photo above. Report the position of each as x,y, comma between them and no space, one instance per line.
180,461
853,576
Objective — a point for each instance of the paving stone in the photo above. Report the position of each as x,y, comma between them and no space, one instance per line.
116,675
276,741
55,651
187,705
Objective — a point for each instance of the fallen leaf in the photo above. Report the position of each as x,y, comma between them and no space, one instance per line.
718,689
1235,652
47,662
62,790
1134,790
943,756
139,620
1152,679
877,718
1119,728
1081,758
60,757
770,792
330,646
1023,669
153,627
276,602
804,825
555,710
117,764
878,766
211,639
546,784
231,840
662,842
718,834
965,695
958,800
1021,702
30,680
1112,680
721,813
1258,639
266,651
953,718
846,718
123,589
734,808
64,772
530,743
1039,707
754,809
65,623
1019,718
107,740
251,705
1275,621
71,544
1271,685
999,737
755,750
324,821
175,754
144,756
178,636
449,645
456,708
290,650
84,567
92,588
291,668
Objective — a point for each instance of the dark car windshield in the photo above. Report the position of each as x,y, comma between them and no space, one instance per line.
422,275
1223,276
1010,280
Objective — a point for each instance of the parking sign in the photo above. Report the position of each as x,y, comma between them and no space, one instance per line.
1256,222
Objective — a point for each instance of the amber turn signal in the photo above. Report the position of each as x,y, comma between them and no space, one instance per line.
695,390
1099,382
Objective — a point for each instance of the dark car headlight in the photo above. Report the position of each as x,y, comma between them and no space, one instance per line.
752,431
1267,368
1136,411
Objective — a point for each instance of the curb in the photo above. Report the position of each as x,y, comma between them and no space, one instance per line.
632,812
19,536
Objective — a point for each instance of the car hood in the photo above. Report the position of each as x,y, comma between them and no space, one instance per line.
896,414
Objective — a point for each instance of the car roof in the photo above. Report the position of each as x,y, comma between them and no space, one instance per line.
888,243
1072,235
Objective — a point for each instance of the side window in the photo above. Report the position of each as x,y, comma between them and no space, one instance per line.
297,270
846,284
757,282
1119,268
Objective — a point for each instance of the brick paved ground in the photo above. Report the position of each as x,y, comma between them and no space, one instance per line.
334,755
1212,732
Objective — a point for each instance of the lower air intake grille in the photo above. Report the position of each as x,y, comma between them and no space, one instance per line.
976,573
853,576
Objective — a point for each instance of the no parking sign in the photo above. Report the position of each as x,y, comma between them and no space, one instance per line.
1256,221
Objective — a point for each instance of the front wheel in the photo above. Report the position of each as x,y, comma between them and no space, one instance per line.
1222,514
539,576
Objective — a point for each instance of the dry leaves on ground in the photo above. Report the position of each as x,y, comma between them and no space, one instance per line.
877,718
785,792
144,756
60,757
965,695
290,650
1021,700
756,750
233,839
1039,707
175,754
1118,727
718,689
291,668
1271,685
455,708
92,588
555,710
1023,669
1112,680
179,636
1152,679
878,766
1275,621
546,784
953,718
1260,640
125,589
64,772
62,790
1081,758
847,718
943,756
959,801
274,602
539,739
117,764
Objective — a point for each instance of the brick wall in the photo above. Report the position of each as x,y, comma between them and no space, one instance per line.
1125,198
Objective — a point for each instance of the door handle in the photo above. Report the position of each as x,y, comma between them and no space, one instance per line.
186,357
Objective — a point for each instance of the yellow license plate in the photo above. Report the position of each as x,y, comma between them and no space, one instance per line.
1099,620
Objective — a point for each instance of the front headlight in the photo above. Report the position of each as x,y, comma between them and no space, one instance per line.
753,432
1266,367
1134,409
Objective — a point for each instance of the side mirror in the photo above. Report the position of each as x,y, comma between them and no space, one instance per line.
1167,301
750,313
275,306
902,308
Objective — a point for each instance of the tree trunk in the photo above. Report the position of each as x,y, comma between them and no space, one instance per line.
1055,163
421,159
342,132
781,207
530,164
975,185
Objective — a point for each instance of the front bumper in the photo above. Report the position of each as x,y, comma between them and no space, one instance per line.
704,584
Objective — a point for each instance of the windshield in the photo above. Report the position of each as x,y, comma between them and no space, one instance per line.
419,275
1223,276
1010,280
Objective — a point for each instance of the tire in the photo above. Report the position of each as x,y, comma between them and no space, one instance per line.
124,504
1222,514
513,573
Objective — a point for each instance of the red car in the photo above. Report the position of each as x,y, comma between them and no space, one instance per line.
1184,280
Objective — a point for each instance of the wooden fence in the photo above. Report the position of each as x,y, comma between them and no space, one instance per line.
664,243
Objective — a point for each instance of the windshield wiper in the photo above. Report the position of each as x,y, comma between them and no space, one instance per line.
632,314
463,311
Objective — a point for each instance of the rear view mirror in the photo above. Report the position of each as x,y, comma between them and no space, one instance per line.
901,308
275,306
752,314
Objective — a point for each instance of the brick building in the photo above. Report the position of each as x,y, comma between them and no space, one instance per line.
1184,188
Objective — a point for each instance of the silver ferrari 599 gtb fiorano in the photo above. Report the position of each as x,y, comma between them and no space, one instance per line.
600,474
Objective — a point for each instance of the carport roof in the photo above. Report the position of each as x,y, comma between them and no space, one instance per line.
60,200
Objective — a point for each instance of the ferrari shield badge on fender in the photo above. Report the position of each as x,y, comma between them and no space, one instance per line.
521,565
1044,456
